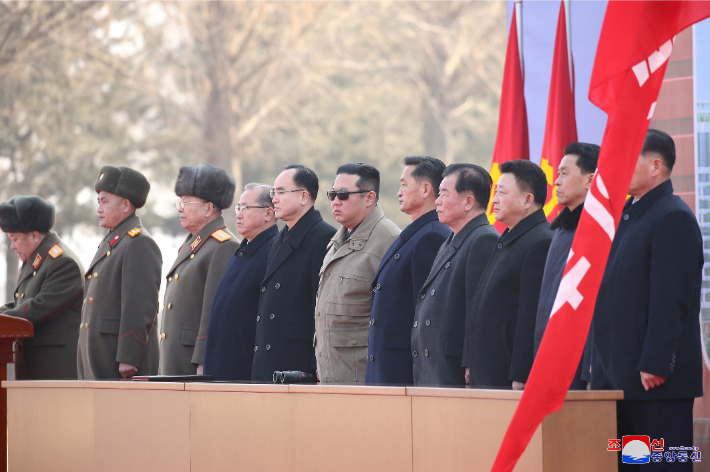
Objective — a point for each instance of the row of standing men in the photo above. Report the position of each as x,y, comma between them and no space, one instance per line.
447,301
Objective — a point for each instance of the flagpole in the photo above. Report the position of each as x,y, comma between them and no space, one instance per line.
519,30
568,23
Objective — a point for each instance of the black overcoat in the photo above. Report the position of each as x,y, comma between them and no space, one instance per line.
285,322
500,322
437,332
230,336
395,289
646,315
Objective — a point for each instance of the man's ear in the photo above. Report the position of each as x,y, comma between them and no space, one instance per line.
588,184
529,200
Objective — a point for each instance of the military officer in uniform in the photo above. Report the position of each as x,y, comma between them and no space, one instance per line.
48,291
284,321
195,275
117,336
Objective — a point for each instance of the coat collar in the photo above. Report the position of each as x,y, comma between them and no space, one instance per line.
636,209
525,225
193,242
252,246
360,236
38,256
568,219
114,237
417,224
460,237
293,239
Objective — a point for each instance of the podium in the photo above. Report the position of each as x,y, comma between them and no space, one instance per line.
210,427
11,328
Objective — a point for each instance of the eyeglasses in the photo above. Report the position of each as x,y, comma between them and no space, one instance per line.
243,208
343,194
180,205
280,192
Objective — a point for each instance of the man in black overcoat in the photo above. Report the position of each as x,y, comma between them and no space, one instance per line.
402,272
284,321
437,331
646,331
500,321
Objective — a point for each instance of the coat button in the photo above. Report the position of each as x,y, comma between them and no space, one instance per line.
426,352
499,245
162,335
256,348
263,289
258,318
268,347
379,286
192,256
170,305
87,325
108,253
240,254
374,290
415,354
91,300
422,296
427,322
176,276
34,273
433,291
372,358
396,256
448,264
626,216
415,324
17,294
277,286
88,276
372,322
22,296
81,325
170,279
272,316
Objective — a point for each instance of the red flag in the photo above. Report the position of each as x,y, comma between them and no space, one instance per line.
512,136
561,126
634,46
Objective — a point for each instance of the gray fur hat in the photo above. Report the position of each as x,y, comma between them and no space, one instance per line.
26,214
124,182
206,182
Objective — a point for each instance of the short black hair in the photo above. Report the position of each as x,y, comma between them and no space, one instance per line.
306,178
369,176
660,142
474,179
587,156
426,168
528,177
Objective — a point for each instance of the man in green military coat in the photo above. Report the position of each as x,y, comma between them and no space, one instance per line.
117,336
48,291
192,281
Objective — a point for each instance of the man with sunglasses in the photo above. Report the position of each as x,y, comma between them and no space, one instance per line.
345,295
230,336
201,260
284,321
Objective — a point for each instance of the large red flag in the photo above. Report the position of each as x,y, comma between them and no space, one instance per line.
634,46
561,126
512,136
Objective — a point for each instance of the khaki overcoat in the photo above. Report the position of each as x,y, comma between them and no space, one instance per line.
192,283
121,304
342,316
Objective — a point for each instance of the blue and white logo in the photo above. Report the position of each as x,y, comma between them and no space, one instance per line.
636,451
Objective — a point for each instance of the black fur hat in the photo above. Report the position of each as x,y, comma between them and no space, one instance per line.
206,182
26,214
124,182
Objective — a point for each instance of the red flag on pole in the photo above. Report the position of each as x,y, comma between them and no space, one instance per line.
561,126
512,135
632,55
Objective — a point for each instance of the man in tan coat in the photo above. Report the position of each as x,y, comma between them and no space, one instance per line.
117,336
344,298
192,281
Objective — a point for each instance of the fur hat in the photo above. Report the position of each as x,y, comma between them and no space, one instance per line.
206,182
26,214
124,182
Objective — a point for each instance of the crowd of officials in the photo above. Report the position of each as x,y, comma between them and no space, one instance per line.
447,301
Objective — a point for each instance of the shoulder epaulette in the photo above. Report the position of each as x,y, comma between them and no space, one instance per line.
134,232
221,236
55,251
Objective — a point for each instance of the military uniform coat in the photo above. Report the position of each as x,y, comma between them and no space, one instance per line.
646,314
437,333
121,304
395,291
48,294
284,323
500,321
192,282
230,337
345,297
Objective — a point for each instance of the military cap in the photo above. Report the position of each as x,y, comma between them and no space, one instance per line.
206,182
25,214
124,182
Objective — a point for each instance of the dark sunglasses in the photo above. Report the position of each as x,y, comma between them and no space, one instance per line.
342,194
